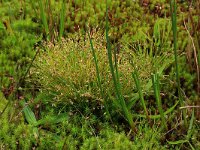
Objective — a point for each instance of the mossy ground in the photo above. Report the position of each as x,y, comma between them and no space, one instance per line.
50,96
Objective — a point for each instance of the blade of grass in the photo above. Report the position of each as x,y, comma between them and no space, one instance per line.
98,74
62,20
192,148
44,19
174,29
189,132
120,98
155,81
139,89
132,102
177,142
49,14
116,65
157,116
96,65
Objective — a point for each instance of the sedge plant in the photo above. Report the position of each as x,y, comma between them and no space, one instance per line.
115,78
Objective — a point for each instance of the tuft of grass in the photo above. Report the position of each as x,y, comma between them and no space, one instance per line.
67,70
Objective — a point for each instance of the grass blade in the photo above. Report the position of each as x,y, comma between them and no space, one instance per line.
98,73
62,20
189,132
44,19
158,116
155,80
177,142
138,86
174,29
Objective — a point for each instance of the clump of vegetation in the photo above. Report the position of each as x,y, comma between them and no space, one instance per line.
69,68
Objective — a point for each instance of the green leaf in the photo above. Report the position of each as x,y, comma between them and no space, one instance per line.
52,119
29,115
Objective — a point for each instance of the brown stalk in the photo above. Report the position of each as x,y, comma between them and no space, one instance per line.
195,58
195,42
